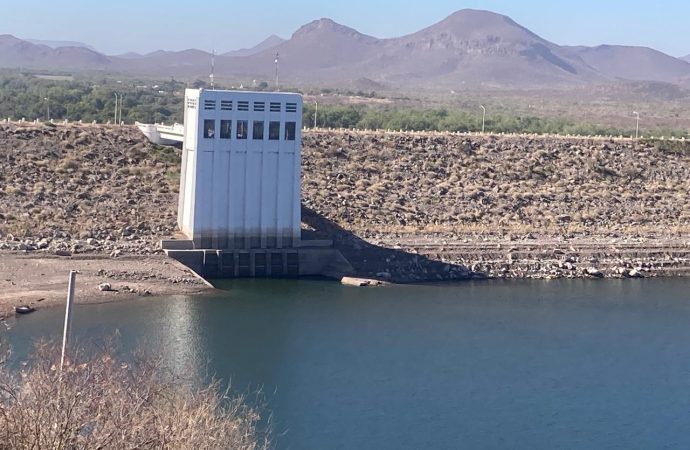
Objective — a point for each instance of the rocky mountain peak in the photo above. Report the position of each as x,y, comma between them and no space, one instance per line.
479,25
327,26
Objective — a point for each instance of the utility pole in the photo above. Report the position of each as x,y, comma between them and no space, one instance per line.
115,118
276,61
483,116
47,107
316,111
118,112
637,126
213,69
122,98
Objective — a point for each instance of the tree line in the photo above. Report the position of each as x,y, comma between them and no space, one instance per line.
89,99
443,119
29,97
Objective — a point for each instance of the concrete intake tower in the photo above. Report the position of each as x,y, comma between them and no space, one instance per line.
239,201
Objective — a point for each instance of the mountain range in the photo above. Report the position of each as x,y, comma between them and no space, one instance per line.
268,43
468,49
56,44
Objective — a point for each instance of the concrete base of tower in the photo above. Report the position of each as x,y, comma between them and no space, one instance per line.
311,258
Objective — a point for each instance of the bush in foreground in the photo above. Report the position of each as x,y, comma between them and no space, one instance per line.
101,402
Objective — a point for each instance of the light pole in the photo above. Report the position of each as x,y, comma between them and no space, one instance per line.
47,107
483,116
213,69
637,127
118,118
316,112
115,118
122,100
276,62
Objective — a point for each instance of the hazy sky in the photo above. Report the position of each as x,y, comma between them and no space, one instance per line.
146,25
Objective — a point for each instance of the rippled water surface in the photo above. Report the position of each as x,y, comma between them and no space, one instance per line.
491,365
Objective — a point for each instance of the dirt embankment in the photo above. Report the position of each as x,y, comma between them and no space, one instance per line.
507,206
92,199
85,189
397,183
491,206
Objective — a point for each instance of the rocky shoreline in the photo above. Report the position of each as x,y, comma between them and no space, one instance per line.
549,258
402,207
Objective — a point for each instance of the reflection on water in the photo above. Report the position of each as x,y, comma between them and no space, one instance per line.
566,364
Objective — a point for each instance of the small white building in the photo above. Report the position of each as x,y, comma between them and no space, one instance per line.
240,178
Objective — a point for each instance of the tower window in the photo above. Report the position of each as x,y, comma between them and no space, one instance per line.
225,129
242,129
209,128
273,131
258,131
290,131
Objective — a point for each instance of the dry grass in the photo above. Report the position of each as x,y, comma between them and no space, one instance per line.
85,180
105,403
425,183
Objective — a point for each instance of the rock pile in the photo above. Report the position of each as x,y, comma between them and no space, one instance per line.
69,190
374,183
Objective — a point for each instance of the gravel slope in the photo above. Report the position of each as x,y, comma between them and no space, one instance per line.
72,190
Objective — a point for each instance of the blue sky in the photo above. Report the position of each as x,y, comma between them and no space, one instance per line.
128,25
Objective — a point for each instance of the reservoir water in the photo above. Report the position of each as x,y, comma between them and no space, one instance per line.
486,365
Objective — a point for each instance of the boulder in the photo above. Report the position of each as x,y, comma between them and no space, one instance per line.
594,272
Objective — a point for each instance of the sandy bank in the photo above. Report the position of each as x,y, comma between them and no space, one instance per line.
40,280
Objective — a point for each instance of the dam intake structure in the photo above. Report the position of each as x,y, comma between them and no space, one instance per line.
239,202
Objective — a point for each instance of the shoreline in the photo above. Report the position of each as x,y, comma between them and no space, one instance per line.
551,257
401,207
40,280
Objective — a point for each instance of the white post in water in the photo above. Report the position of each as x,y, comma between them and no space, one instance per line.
68,316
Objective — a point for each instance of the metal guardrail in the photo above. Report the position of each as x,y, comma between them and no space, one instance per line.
479,134
23,121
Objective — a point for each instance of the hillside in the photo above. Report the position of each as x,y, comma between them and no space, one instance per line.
634,63
269,42
57,44
472,48
319,52
468,49
93,179
18,53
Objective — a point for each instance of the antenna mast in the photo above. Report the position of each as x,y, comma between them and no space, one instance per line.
213,69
